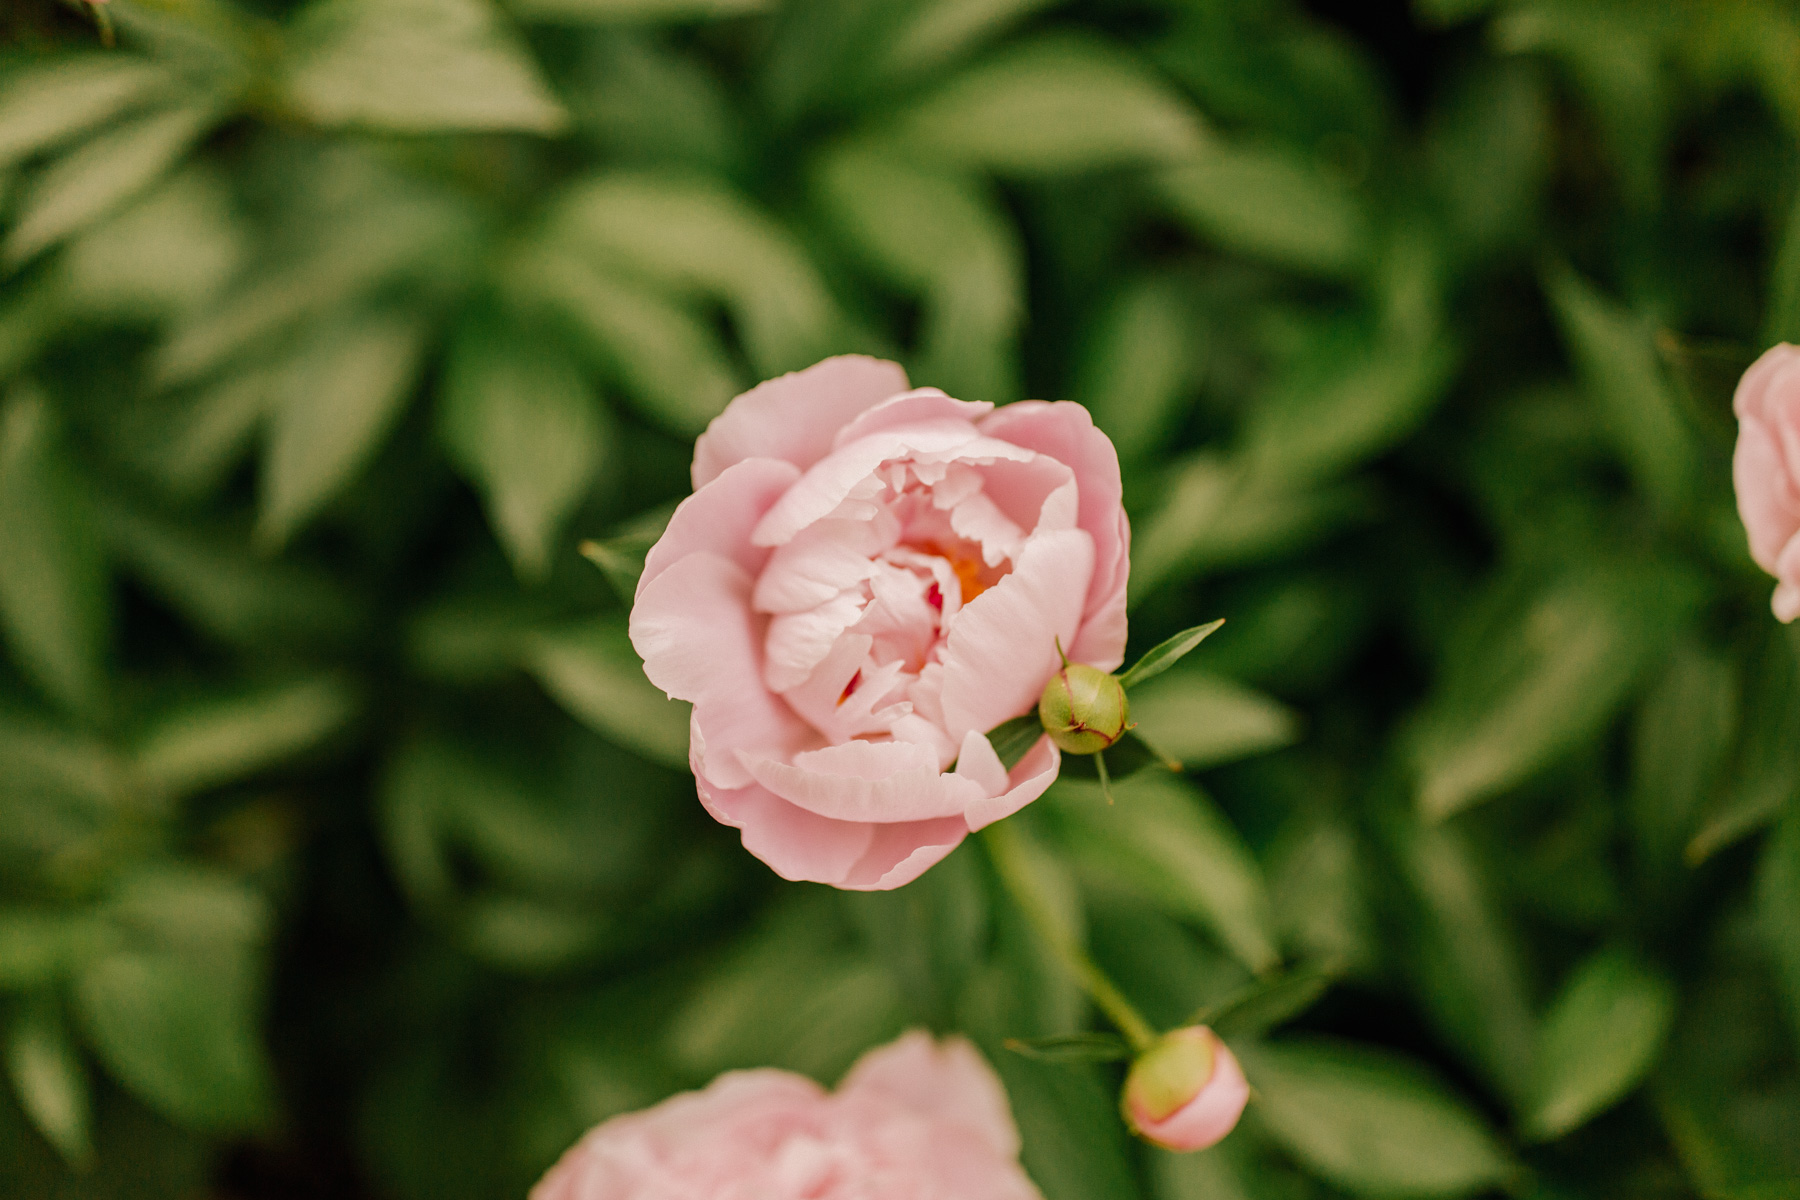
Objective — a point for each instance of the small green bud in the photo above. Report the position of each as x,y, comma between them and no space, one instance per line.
1083,709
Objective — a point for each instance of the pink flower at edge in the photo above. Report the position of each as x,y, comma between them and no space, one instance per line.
865,581
1765,470
914,1120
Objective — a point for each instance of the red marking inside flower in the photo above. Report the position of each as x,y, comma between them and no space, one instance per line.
850,687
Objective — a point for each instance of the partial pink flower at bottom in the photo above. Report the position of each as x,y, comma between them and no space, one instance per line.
1766,470
914,1120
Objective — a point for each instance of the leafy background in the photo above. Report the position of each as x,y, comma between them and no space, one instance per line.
344,849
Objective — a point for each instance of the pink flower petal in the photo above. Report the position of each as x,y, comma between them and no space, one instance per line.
1002,647
720,516
795,416
1029,779
899,854
1066,432
880,782
948,1081
850,471
977,761
693,627
921,404
796,844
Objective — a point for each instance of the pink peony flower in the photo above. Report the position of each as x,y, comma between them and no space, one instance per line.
914,1120
1766,469
865,581
1187,1091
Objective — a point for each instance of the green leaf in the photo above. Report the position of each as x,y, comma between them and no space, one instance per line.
1214,513
1766,774
1538,674
790,994
92,180
1049,1100
1371,1122
1326,416
1265,1003
520,421
1601,1037
674,368
194,747
1168,653
1464,957
38,947
933,32
1267,203
1781,323
1202,720
1141,358
216,581
1778,906
181,1035
417,66
634,10
699,239
54,588
1163,840
1072,1048
380,229
47,102
1616,354
50,1080
1681,745
593,672
941,236
164,254
1052,106
332,408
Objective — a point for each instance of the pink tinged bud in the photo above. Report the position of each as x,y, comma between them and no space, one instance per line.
1083,709
1186,1092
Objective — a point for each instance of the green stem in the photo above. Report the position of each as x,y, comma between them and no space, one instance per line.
1009,854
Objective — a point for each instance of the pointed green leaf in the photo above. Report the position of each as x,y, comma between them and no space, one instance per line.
1167,654
1616,354
1371,1122
54,603
49,1078
417,66
1269,203
1052,106
1201,720
332,408
1167,842
47,102
180,1034
1600,1039
1265,1003
194,747
1778,907
523,424
93,179
1072,1047
593,672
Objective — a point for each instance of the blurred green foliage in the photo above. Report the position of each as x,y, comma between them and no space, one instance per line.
344,849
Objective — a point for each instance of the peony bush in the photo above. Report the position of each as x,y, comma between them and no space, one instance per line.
394,537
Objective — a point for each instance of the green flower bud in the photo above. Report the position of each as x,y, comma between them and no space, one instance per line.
1083,709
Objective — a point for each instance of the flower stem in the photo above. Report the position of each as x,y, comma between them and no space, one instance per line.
1011,859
